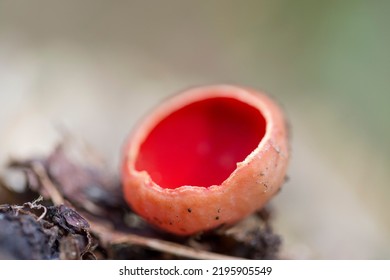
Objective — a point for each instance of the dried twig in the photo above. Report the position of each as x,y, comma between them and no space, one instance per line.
114,237
46,183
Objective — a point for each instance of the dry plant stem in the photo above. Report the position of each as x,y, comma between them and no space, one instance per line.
169,247
54,193
113,237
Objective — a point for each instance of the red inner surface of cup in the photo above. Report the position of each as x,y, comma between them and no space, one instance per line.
201,143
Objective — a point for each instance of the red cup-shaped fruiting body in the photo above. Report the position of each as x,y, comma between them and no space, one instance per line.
205,157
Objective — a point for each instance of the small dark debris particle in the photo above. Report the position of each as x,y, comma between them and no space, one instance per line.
158,220
217,217
67,218
219,210
189,210
262,174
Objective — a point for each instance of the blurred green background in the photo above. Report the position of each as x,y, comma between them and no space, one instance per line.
97,66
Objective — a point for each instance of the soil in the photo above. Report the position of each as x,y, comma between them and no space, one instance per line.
72,208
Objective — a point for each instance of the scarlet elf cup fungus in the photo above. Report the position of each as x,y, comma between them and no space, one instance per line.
205,157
